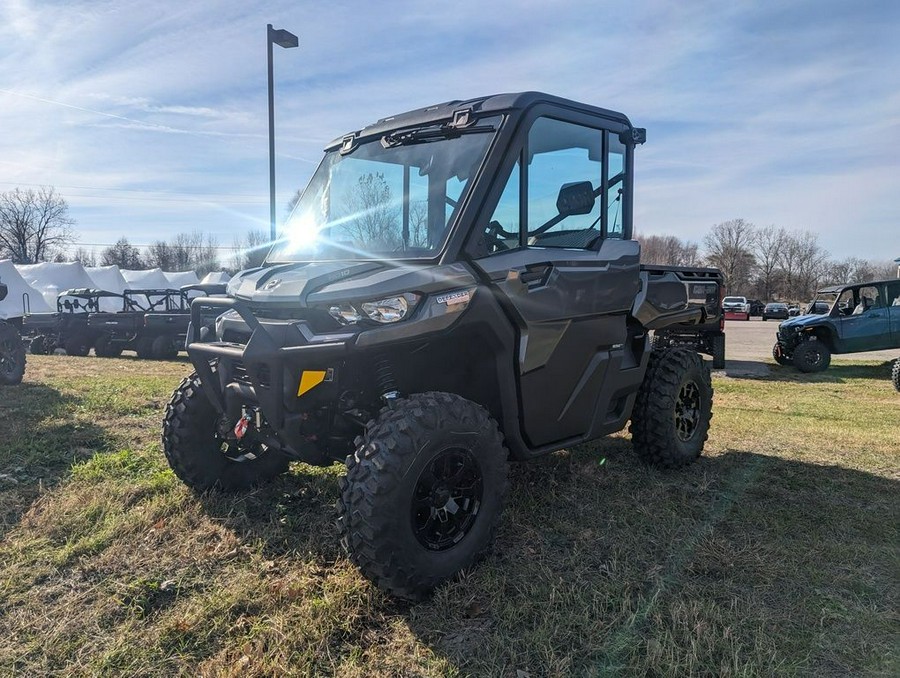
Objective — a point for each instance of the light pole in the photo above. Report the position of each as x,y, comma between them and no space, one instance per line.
286,39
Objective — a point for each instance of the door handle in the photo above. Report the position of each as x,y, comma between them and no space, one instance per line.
535,274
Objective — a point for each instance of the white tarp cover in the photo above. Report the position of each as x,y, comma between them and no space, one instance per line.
50,279
12,306
107,278
179,279
215,277
152,279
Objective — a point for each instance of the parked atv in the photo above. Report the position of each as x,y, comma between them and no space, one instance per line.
458,287
12,350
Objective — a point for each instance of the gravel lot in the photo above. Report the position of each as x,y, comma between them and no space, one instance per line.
752,341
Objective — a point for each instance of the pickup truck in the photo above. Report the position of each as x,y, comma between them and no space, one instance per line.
457,287
736,308
860,317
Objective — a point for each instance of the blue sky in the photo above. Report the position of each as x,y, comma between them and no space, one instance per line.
150,116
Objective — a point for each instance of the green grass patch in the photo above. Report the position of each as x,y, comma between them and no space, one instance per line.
776,554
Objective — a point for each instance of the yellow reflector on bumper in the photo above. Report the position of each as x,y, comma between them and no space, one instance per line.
309,380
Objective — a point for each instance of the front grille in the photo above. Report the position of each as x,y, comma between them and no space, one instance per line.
239,374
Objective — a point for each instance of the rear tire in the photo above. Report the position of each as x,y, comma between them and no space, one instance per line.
423,493
811,355
78,345
718,352
12,355
39,345
895,374
194,449
673,409
164,348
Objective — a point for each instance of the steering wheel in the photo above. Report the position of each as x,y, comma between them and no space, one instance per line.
493,235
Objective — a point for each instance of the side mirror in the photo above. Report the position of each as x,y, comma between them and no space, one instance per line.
576,198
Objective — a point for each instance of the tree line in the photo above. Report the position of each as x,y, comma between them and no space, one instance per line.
766,263
35,227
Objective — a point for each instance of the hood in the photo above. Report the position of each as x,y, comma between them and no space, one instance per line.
309,284
801,321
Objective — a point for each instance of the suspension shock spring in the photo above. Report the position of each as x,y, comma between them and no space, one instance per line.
384,378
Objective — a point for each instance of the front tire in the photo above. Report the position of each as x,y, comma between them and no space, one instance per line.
78,345
779,356
673,409
12,355
104,347
423,493
811,356
199,457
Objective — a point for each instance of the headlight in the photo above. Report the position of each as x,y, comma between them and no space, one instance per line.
345,314
388,310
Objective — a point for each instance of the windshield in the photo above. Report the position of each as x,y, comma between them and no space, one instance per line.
733,300
823,300
390,198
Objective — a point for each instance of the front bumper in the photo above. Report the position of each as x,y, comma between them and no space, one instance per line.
266,372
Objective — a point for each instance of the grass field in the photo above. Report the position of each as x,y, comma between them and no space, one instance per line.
778,553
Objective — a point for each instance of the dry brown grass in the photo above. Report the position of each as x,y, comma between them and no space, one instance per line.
777,553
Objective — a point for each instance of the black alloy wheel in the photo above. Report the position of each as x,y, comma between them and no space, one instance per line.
687,411
447,499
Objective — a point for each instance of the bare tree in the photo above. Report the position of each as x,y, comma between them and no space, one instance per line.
250,251
668,250
373,219
34,224
729,248
85,257
767,245
185,252
123,254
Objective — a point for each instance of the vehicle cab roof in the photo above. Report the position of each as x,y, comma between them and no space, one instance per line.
495,103
837,289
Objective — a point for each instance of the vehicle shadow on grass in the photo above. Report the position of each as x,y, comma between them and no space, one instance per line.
40,442
295,514
837,373
618,565
603,563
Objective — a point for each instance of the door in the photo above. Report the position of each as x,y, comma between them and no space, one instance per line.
868,326
893,309
554,251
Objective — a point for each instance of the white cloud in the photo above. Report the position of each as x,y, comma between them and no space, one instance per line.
785,114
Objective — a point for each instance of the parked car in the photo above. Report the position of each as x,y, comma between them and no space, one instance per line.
756,307
793,310
861,317
776,311
736,308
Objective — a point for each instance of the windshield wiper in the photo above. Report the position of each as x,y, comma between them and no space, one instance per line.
427,135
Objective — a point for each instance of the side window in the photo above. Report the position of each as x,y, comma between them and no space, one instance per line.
502,231
846,302
868,298
616,187
893,293
565,170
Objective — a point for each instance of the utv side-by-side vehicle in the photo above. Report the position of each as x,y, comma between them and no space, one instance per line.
12,350
860,317
458,287
152,322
